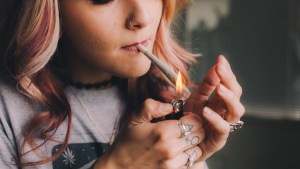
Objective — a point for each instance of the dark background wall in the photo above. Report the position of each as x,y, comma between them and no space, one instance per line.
261,39
261,144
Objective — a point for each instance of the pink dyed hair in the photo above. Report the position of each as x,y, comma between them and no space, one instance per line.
33,41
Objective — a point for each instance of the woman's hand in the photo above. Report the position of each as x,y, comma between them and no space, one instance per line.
161,145
217,100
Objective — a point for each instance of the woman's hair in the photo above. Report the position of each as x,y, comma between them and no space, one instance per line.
29,39
154,83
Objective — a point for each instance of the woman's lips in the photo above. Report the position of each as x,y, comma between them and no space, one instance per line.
133,48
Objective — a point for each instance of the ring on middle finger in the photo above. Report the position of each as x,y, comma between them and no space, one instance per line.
235,126
190,160
185,129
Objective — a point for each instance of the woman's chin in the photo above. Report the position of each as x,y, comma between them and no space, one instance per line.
134,73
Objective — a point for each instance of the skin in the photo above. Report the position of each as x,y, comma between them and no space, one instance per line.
223,107
94,36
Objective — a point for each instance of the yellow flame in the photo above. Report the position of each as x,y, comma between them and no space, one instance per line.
179,83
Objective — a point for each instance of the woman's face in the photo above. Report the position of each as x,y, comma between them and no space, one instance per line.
99,36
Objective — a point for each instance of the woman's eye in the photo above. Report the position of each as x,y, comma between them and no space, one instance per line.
101,1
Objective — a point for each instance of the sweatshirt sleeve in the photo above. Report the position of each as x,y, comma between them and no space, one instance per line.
7,150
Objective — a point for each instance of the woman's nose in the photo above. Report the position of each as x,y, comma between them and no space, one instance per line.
139,16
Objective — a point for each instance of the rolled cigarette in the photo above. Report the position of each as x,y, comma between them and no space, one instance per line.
164,68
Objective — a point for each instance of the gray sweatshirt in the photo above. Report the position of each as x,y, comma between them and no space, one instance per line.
94,117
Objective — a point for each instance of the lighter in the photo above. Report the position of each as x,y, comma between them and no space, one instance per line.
178,110
178,103
181,89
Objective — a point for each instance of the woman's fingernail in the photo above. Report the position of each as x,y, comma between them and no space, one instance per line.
207,111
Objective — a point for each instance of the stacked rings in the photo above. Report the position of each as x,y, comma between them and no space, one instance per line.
190,161
235,126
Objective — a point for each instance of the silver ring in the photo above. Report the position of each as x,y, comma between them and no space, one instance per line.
190,161
235,126
185,131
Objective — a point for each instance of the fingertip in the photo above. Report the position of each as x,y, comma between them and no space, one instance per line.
154,109
220,68
211,116
225,60
220,57
207,112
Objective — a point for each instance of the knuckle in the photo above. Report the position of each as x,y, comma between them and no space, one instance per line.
199,151
231,96
225,129
240,91
231,77
158,132
167,164
202,134
195,152
165,149
209,82
242,111
167,152
238,110
148,104
193,118
161,134
192,121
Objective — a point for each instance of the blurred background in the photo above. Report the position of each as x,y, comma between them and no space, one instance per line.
261,39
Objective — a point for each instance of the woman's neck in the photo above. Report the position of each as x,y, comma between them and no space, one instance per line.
89,77
81,71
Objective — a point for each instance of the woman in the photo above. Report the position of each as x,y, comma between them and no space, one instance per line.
73,79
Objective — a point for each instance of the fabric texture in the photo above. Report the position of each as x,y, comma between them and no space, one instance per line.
86,142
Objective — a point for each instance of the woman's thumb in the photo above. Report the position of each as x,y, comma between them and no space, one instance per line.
152,109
